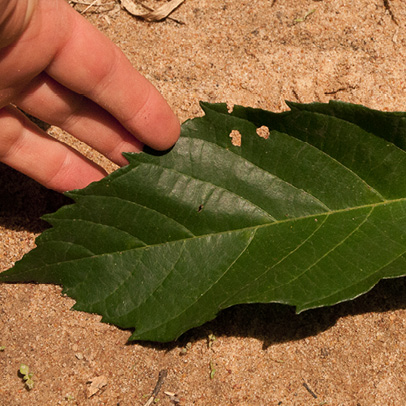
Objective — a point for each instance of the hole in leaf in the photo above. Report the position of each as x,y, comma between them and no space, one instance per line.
235,136
263,132
230,107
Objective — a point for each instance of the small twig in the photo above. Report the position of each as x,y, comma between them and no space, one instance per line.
94,3
86,3
389,10
296,95
89,6
309,390
80,3
302,19
161,377
340,89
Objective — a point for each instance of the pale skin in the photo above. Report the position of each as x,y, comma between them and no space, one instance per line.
59,68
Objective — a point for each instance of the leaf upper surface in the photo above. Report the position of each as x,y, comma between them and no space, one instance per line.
311,216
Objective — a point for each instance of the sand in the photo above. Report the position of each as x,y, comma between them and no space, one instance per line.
255,53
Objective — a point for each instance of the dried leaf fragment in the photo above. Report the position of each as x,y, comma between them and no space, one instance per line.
96,384
153,15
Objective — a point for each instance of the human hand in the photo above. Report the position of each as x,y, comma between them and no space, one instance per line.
59,68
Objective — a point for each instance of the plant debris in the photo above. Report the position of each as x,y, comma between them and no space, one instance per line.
161,377
27,376
96,384
153,15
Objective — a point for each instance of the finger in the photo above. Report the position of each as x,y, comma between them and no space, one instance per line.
14,17
51,102
29,150
90,64
81,58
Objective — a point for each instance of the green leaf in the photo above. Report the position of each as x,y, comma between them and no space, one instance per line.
312,216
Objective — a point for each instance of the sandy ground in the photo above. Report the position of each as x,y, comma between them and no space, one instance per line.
256,53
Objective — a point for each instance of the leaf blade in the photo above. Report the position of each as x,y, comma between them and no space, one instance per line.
312,216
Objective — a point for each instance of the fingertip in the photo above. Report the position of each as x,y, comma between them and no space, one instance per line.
156,125
171,134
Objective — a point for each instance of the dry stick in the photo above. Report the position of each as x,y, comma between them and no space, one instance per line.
161,377
389,9
94,3
89,6
86,3
340,89
309,390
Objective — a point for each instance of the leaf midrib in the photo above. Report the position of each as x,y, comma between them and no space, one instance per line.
221,306
270,268
249,228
